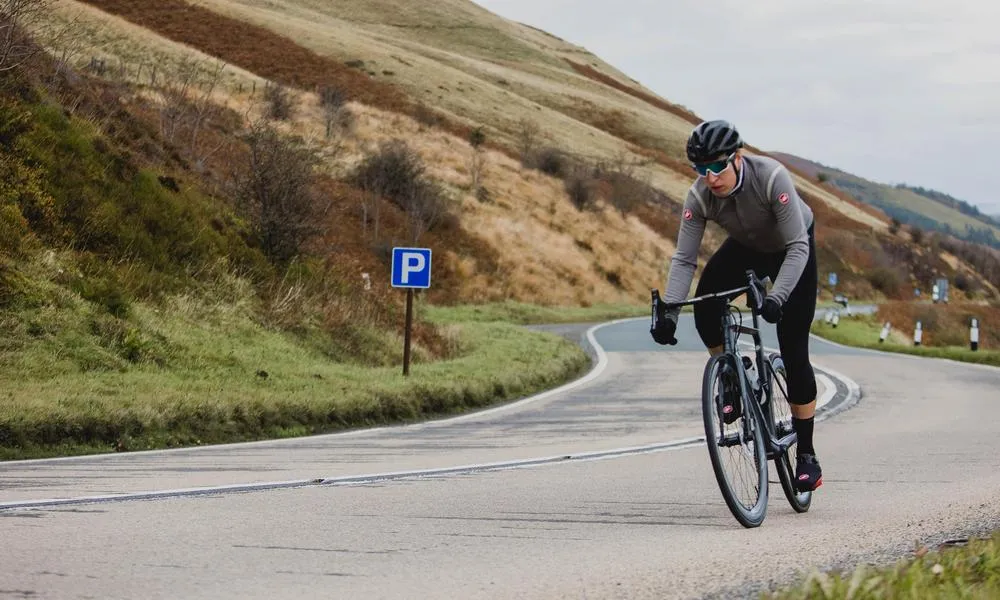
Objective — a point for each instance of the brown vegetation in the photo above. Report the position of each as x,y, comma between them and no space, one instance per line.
253,48
592,73
272,56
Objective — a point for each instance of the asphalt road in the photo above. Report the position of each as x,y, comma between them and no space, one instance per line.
600,489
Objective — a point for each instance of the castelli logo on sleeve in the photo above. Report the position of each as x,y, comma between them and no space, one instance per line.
783,198
687,214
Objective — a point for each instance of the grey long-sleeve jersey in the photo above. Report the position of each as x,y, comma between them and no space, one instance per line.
766,215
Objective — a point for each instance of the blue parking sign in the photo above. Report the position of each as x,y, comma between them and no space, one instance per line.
833,279
411,268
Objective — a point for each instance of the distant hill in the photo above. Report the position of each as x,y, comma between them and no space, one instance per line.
910,205
960,205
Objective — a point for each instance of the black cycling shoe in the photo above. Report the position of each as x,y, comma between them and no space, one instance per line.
732,407
808,474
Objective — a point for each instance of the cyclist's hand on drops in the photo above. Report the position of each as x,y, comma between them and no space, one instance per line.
664,328
771,310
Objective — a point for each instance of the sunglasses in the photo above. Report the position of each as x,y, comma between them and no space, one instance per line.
716,167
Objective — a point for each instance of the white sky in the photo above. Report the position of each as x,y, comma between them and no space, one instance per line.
891,90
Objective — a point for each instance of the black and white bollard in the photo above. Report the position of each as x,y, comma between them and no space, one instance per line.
917,334
885,332
974,335
836,318
829,317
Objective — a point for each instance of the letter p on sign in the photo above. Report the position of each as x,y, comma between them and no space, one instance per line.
411,268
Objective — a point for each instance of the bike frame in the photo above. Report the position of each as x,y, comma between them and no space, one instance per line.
731,330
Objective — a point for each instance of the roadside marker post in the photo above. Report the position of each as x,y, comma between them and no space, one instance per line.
974,335
885,332
411,269
917,334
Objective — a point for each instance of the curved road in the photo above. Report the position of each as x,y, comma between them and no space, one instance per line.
600,489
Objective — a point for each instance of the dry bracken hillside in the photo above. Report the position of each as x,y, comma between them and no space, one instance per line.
430,73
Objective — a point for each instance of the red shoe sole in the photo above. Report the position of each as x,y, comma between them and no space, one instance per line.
814,488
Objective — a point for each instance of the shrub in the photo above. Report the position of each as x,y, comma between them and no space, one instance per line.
885,280
477,137
279,102
965,283
484,195
551,161
396,172
332,100
580,190
527,135
392,171
274,186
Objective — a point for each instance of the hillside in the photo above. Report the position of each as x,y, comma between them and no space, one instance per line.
433,76
199,203
916,206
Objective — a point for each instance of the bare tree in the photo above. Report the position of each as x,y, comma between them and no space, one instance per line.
395,172
203,107
425,205
388,173
187,106
335,114
280,103
275,187
17,19
174,99
626,189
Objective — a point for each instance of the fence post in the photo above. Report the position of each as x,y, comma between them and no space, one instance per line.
974,335
917,334
885,332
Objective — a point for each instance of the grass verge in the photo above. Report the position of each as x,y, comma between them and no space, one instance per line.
971,571
222,378
530,314
863,331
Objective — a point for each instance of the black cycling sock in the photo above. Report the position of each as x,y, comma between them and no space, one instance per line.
804,432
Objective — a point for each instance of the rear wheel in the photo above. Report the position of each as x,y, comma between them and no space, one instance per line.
737,449
781,417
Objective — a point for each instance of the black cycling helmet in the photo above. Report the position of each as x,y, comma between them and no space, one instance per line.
710,139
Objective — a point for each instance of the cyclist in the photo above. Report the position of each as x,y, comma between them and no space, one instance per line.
770,231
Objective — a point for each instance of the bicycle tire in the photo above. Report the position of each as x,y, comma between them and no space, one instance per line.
746,426
799,501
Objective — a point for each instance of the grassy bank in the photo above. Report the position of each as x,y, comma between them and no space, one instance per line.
969,572
211,373
863,331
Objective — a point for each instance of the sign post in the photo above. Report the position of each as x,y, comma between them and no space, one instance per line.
411,269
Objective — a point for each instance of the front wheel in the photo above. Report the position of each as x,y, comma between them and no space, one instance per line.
781,416
737,450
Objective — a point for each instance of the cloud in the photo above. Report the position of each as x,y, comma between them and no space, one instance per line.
893,91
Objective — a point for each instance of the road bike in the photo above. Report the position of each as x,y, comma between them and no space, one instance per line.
762,431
